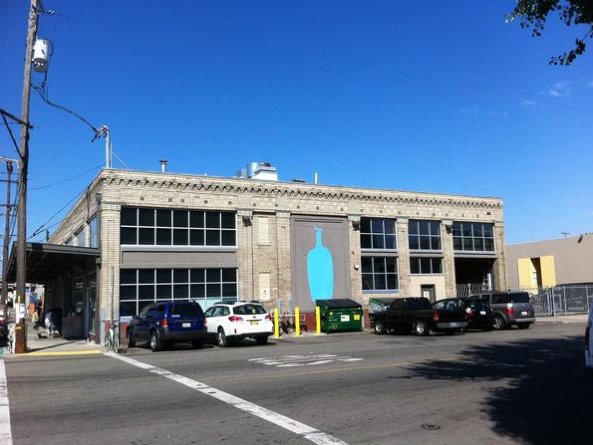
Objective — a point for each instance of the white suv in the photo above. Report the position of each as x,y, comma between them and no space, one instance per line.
239,320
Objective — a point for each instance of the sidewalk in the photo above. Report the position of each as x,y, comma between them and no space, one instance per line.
564,319
53,346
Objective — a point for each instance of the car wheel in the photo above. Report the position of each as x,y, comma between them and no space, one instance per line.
155,342
379,327
131,341
499,323
262,340
420,327
197,344
221,340
523,325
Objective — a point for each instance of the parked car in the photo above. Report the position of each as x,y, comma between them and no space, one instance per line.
161,324
509,308
228,322
589,344
478,313
417,314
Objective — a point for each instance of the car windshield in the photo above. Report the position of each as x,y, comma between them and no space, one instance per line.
519,297
187,309
249,309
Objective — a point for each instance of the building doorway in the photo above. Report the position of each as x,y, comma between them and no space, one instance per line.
428,291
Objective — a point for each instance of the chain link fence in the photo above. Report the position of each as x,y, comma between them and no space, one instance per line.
565,299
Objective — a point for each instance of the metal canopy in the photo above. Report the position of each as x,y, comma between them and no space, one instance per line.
46,261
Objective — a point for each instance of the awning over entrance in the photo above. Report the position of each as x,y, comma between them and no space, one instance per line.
45,261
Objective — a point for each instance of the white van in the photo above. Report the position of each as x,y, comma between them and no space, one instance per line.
589,344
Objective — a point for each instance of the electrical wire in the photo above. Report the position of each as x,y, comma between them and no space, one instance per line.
16,146
65,180
43,226
43,92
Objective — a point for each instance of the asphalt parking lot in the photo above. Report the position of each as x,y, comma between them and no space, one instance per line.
356,388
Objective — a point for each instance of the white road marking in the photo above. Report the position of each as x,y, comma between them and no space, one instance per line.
305,431
5,432
291,361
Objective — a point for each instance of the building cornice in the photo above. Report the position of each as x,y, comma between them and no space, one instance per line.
240,186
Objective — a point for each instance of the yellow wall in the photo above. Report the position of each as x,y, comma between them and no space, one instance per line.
548,271
526,270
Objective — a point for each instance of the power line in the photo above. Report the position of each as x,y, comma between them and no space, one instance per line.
65,180
43,226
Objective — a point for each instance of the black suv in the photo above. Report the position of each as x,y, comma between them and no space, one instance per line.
509,308
164,323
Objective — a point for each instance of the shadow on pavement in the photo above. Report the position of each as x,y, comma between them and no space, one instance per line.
544,397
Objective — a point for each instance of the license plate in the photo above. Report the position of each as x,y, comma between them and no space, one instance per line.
523,312
482,312
186,325
453,324
345,318
254,322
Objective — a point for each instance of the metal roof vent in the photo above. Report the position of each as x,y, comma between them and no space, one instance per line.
259,170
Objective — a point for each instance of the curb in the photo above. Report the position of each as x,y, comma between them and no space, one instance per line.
55,353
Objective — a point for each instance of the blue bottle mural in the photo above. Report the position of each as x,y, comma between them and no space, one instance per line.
320,268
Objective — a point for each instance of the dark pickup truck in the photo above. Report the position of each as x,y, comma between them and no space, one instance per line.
417,314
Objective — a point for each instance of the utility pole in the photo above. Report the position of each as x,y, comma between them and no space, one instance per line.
6,236
21,261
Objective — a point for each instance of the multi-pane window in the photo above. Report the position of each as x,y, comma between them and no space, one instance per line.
473,237
426,265
379,273
80,237
94,232
166,227
424,235
377,233
140,287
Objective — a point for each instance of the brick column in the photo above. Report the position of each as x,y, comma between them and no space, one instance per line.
448,257
108,290
498,269
403,247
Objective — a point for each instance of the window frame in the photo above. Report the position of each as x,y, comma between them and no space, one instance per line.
178,227
466,233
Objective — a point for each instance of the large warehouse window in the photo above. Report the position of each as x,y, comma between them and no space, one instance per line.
378,243
379,273
424,235
140,287
164,227
377,233
473,237
426,265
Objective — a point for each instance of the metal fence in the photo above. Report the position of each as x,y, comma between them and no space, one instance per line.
562,300
466,289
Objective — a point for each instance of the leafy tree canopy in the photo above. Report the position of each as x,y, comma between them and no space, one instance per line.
532,14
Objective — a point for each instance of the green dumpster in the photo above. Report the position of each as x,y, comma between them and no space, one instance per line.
340,314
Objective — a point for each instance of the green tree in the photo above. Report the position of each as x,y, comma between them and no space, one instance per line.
532,14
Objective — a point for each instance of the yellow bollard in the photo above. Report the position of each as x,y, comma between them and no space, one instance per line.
318,319
276,324
297,321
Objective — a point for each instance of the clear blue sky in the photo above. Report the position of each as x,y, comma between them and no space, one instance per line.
422,96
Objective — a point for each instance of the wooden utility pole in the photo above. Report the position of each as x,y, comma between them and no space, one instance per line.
21,261
6,236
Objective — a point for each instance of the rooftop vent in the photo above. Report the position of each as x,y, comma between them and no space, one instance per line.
259,170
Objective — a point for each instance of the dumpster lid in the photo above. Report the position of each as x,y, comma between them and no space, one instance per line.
338,303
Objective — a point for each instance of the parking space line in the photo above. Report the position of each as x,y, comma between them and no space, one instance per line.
5,431
305,431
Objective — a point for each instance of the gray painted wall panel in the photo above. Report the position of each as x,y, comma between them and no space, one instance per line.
176,259
303,239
